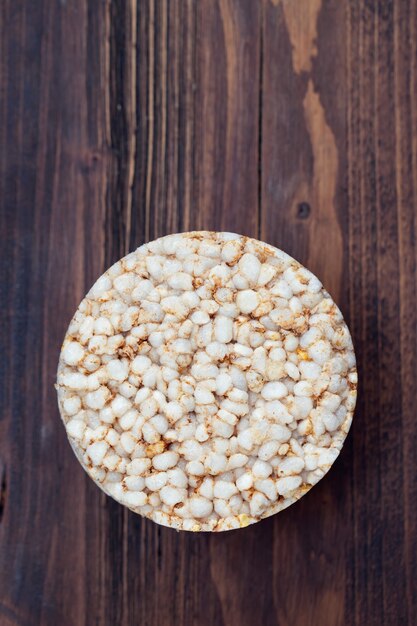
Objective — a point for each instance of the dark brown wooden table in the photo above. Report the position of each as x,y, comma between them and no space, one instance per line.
294,121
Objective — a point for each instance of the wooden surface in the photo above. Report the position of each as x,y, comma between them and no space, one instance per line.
290,120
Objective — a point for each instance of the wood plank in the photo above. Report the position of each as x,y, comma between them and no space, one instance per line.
227,158
196,168
382,208
303,211
53,172
405,82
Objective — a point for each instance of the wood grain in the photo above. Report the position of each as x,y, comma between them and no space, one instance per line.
290,120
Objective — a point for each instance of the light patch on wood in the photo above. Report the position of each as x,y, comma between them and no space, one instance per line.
326,244
325,237
301,20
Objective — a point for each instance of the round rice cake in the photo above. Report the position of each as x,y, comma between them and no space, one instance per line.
207,381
